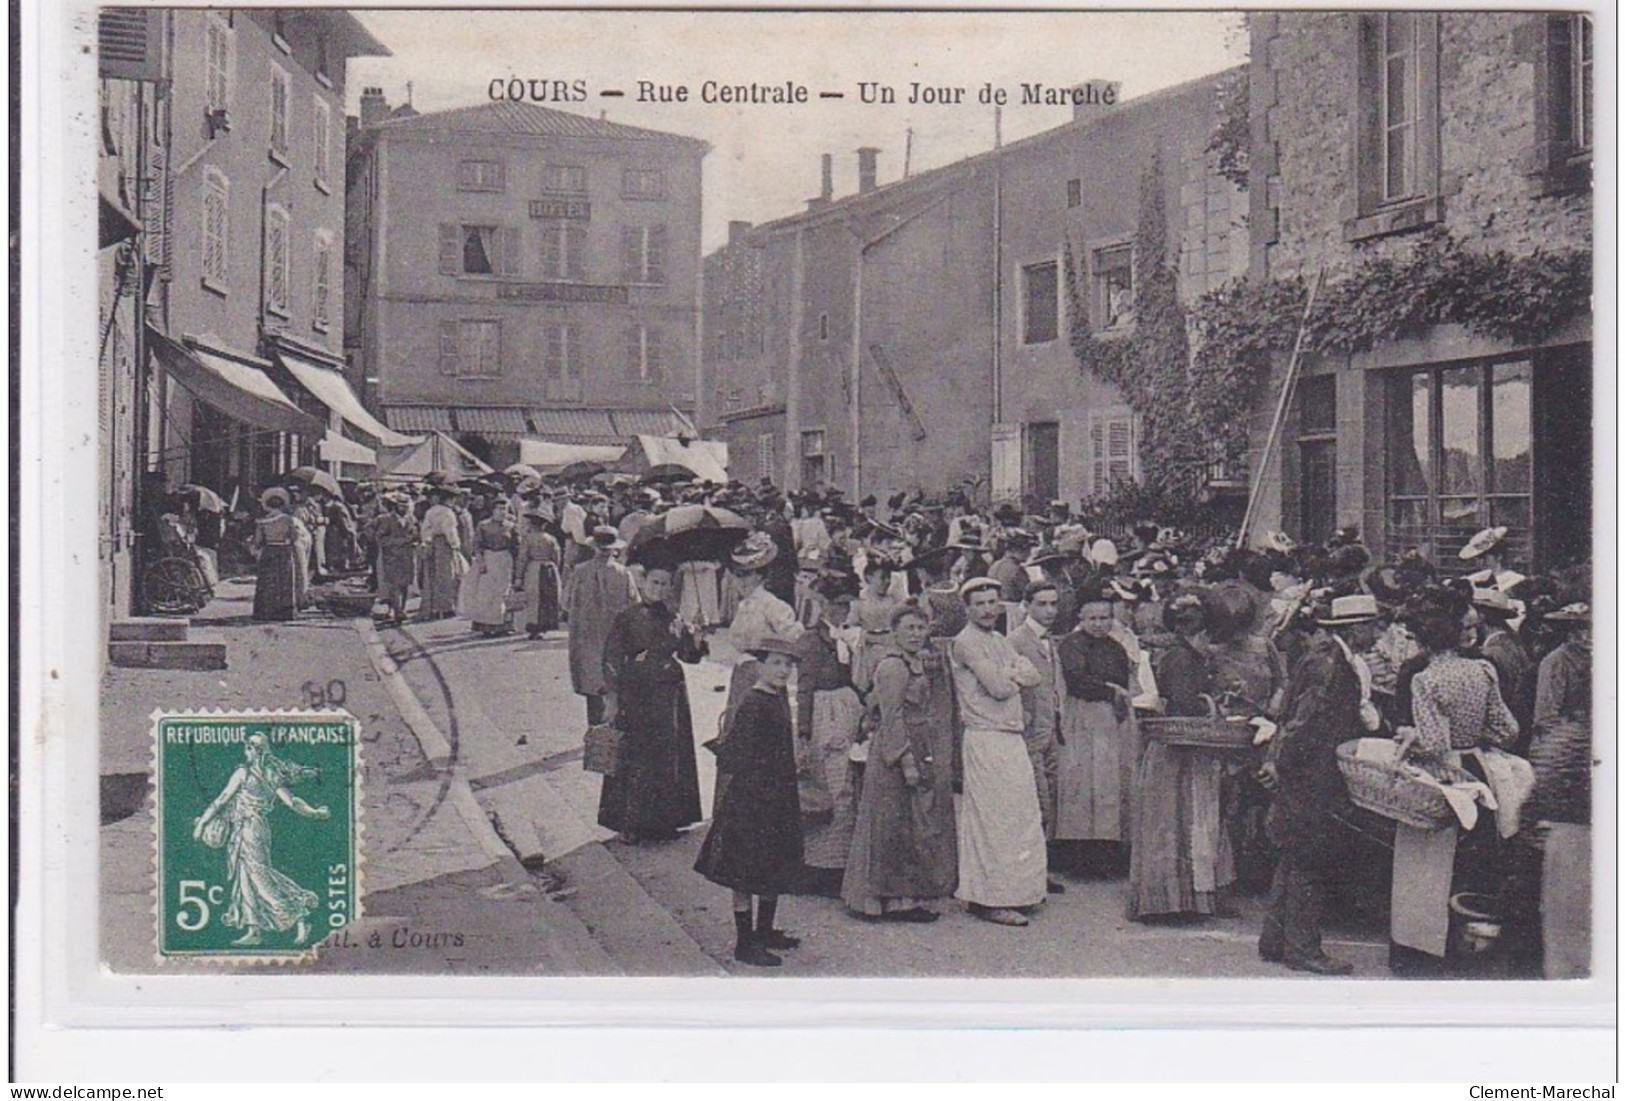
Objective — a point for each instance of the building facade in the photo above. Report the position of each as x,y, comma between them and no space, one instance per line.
521,272
1372,135
223,148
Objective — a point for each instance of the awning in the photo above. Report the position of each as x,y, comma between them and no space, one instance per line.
233,386
334,392
337,449
437,451
546,453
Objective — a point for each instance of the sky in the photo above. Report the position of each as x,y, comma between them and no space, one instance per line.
764,159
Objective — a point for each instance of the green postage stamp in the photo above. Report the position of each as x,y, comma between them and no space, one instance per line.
258,822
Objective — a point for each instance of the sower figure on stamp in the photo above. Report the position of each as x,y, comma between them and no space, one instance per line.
261,897
1003,865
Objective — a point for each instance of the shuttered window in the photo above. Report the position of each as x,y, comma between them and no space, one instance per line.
471,348
217,64
564,250
1113,458
480,175
643,254
216,223
278,265
479,250
281,91
644,354
321,281
561,361
321,124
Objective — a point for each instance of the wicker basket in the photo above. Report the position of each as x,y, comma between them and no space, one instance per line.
1394,792
1210,731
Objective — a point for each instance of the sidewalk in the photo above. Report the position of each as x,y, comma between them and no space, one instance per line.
440,892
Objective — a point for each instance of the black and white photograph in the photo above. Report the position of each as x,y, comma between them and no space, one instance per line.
797,494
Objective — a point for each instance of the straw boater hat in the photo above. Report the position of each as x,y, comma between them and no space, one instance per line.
976,585
1571,613
605,536
275,497
1347,610
757,552
1482,543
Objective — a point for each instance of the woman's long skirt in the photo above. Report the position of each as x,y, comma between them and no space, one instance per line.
698,593
483,597
275,583
1180,854
1097,765
395,569
656,786
439,579
1002,857
541,610
834,727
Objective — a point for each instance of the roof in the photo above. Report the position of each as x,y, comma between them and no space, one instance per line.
597,426
532,119
966,167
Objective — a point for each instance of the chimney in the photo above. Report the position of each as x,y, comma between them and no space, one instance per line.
866,169
374,107
737,231
826,190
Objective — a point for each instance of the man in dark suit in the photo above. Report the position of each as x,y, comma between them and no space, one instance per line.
1328,703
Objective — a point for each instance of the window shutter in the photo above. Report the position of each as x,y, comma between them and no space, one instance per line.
655,262
1119,451
491,348
572,355
654,355
631,254
634,353
451,249
553,353
1097,456
552,250
130,44
508,250
448,347
575,251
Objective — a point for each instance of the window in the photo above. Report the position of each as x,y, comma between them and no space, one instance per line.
1112,272
767,456
1317,458
217,64
321,123
643,254
564,251
814,468
564,179
323,64
1113,458
1043,465
278,263
823,326
643,183
1580,66
561,362
321,281
471,348
479,250
1040,306
281,91
1460,457
1074,193
480,175
644,354
216,227
1397,136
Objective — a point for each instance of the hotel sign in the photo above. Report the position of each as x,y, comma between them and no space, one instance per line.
563,292
577,210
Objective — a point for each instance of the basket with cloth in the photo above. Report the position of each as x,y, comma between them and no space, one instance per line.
1210,731
1380,781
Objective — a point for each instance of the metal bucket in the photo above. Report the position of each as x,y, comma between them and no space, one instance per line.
1475,924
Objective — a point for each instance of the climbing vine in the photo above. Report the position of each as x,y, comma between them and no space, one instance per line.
1196,377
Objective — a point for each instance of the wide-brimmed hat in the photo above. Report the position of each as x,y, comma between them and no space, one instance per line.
757,552
775,644
1347,610
1482,543
275,497
1495,602
605,537
1571,613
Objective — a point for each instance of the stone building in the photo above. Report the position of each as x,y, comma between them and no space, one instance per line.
522,272
1371,134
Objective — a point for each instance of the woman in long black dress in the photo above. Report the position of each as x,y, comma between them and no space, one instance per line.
656,787
754,844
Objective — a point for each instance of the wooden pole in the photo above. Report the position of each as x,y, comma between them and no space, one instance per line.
1287,386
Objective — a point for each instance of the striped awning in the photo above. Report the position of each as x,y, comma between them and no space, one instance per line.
491,423
419,418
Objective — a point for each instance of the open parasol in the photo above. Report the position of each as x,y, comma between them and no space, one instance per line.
207,499
523,470
318,479
668,472
689,533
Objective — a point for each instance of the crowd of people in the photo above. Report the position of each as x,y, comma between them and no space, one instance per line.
933,702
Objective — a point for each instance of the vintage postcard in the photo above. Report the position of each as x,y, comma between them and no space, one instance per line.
1091,495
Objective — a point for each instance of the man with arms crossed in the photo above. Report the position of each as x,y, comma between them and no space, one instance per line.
1003,865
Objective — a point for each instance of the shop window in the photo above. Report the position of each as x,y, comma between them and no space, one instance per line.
1397,144
1460,451
1040,304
